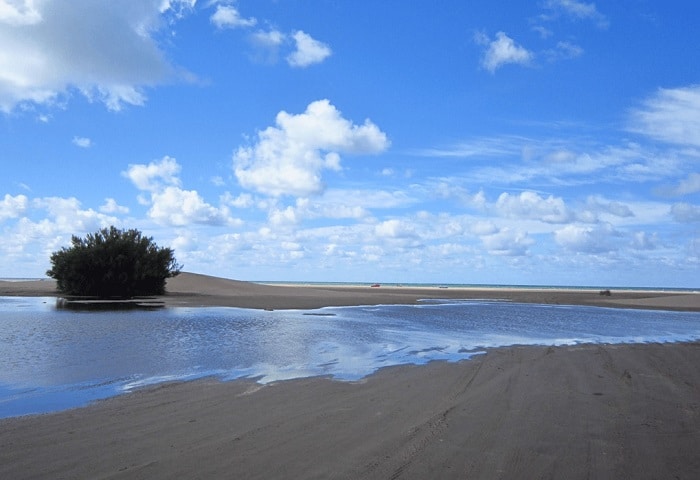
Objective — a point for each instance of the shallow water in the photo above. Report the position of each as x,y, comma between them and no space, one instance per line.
57,359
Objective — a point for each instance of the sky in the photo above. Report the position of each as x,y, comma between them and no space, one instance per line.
548,142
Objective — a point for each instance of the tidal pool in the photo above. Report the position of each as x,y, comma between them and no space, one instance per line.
55,359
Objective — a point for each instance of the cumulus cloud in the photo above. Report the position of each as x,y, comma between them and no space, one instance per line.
597,205
106,50
587,239
13,207
502,51
670,115
155,175
170,204
644,241
227,16
111,206
507,242
286,216
685,213
177,207
395,228
66,215
308,50
288,158
529,205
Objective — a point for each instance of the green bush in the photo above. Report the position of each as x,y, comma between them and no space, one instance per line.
113,263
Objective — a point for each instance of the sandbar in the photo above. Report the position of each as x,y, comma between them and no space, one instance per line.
191,289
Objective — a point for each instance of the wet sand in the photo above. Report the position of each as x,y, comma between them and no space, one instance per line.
628,411
593,411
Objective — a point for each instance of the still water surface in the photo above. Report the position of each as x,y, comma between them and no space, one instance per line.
56,359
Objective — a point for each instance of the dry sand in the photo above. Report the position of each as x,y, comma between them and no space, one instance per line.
596,411
190,289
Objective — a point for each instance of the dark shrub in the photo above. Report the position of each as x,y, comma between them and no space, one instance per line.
113,263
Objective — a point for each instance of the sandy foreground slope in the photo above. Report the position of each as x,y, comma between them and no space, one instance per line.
628,411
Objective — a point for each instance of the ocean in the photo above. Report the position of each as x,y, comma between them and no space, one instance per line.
55,359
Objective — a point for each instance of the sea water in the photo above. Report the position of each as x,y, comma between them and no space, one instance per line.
54,359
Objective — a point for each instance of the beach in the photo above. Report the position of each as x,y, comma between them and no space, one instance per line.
191,290
587,411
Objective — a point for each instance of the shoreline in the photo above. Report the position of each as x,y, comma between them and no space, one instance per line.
192,290
503,414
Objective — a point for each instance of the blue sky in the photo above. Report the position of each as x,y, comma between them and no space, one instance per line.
543,142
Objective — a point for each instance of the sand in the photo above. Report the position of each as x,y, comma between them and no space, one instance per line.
190,289
594,411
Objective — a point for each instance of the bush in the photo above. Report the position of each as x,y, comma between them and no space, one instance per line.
113,263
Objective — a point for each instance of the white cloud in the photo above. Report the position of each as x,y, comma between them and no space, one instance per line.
267,45
155,175
502,51
287,216
288,159
543,31
579,10
13,207
270,38
583,239
244,200
227,16
22,12
111,206
645,241
597,206
308,50
529,205
66,215
478,147
564,51
565,161
483,227
82,142
670,115
686,186
178,8
685,213
507,242
103,49
170,204
177,207
395,228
